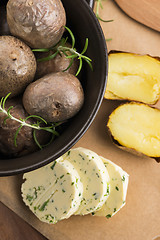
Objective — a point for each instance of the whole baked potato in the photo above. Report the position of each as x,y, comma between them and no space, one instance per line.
8,128
40,23
17,66
55,97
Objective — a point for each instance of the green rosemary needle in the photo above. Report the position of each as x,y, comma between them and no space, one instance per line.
69,52
98,6
23,122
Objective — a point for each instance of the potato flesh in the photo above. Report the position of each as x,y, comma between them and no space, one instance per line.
133,77
137,126
110,95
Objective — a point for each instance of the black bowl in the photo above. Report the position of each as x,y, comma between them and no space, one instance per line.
84,24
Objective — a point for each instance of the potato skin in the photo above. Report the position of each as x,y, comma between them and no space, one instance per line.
55,97
17,66
147,139
57,64
130,150
40,23
25,141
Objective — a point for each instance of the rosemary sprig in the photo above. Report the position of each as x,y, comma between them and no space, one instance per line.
24,123
108,39
61,48
98,6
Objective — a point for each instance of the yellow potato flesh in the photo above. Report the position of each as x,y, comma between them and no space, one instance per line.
133,77
137,126
110,95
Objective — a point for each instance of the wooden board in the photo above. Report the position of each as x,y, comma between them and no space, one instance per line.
144,11
140,218
12,227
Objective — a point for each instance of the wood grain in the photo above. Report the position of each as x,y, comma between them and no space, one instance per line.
13,227
140,218
143,11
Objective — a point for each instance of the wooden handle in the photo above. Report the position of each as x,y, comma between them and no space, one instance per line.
146,12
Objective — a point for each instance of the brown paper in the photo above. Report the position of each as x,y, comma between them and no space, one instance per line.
140,218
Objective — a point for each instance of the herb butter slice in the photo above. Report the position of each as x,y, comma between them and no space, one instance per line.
53,192
118,190
94,177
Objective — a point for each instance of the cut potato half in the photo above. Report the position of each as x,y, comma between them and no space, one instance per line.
110,95
136,126
133,77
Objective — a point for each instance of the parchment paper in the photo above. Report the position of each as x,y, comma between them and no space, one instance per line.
140,218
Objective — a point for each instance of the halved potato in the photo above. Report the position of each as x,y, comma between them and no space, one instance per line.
133,77
136,126
110,95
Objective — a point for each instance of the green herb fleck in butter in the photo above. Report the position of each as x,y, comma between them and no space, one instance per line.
94,177
49,191
118,190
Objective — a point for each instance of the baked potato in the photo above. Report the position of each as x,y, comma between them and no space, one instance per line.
38,23
17,66
55,97
136,126
133,77
57,64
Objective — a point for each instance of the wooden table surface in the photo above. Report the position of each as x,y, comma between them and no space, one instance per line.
12,227
127,35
